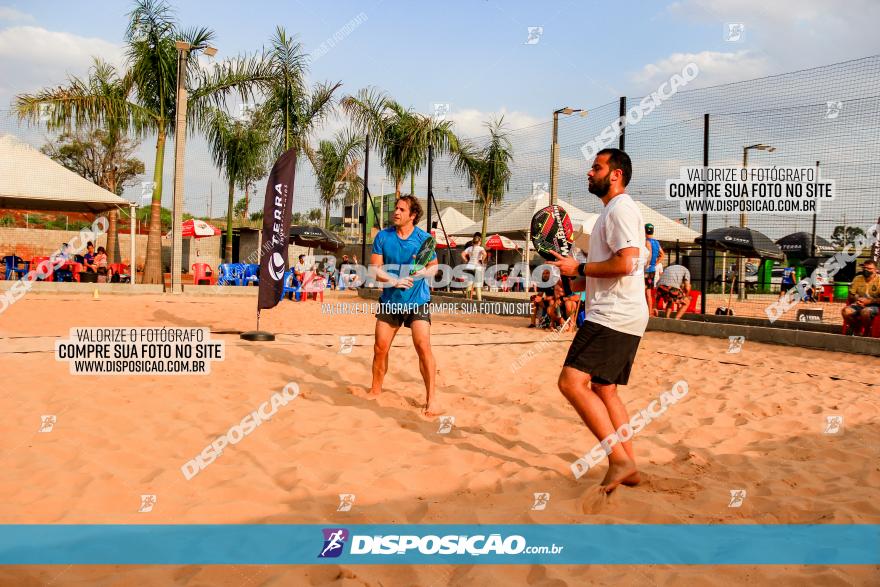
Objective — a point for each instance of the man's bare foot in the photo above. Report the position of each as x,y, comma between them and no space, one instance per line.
374,392
624,472
433,410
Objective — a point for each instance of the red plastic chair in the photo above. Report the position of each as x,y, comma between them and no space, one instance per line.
312,284
202,272
695,301
827,292
118,268
75,268
35,263
875,327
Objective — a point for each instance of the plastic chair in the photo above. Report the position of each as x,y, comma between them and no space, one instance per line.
827,293
202,272
695,300
122,270
35,263
12,262
291,286
313,284
230,274
252,274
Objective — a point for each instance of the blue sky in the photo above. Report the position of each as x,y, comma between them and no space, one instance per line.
469,53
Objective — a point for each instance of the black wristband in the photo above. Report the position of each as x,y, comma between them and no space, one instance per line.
582,268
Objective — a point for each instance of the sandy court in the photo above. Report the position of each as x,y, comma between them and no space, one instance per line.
752,421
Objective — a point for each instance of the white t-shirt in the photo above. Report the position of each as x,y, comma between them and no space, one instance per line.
618,302
474,252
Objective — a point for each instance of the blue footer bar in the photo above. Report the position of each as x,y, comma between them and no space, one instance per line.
818,544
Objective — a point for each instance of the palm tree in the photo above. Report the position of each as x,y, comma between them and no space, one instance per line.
98,103
149,88
241,149
488,169
294,110
335,163
401,135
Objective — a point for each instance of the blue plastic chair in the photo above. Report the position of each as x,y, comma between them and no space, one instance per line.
12,262
230,274
291,286
252,274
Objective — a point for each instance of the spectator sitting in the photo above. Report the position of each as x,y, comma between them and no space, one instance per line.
674,288
62,256
563,307
863,302
300,268
100,263
542,301
89,258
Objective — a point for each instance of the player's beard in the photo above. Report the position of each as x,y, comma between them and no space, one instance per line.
599,186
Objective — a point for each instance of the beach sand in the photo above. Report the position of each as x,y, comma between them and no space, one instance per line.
752,421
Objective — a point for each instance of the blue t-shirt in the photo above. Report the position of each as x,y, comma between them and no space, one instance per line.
396,251
655,252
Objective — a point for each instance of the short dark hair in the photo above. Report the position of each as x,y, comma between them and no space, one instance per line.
302,257
618,159
89,244
478,235
415,207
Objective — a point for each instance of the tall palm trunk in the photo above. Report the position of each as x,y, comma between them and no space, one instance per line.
397,184
112,238
153,271
412,183
228,254
327,216
485,220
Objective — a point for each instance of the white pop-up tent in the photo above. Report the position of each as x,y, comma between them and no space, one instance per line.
514,219
31,180
451,220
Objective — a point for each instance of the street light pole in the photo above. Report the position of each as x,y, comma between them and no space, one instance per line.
743,222
183,51
554,150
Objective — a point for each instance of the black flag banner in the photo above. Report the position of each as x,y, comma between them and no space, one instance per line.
276,230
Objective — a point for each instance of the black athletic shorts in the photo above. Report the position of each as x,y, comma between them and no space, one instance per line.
606,355
398,315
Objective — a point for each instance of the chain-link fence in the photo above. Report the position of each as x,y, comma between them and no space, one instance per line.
827,116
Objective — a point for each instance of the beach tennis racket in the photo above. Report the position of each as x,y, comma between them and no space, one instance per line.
423,255
552,231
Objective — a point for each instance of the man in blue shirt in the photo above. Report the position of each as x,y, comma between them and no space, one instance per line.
653,245
405,298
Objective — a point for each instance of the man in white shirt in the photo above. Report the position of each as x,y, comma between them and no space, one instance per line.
475,257
604,349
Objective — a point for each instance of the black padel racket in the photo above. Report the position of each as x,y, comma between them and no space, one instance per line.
423,255
552,231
